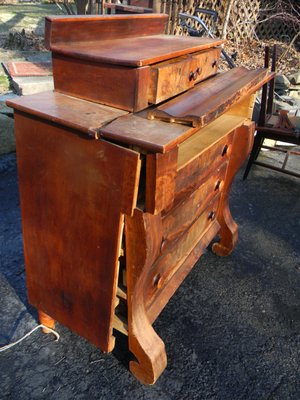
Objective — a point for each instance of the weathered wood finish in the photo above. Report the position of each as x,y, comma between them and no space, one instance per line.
203,153
162,249
151,284
242,144
73,113
82,164
68,193
207,62
160,181
69,29
181,216
115,53
173,257
224,90
114,85
136,52
143,239
110,82
152,136
170,78
173,77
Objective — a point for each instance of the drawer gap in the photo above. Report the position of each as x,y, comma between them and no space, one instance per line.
206,137
120,320
120,305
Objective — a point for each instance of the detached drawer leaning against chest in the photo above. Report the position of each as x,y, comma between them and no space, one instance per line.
119,198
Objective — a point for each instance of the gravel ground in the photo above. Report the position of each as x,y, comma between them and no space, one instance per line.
232,330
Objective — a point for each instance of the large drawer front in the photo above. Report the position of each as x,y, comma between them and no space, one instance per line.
180,217
193,172
174,255
170,78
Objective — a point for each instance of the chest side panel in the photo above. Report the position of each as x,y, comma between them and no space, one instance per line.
73,191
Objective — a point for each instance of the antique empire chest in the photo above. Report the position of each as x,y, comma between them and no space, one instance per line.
124,174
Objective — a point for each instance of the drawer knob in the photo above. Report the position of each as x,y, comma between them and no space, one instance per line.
163,245
157,281
211,215
225,149
214,64
218,185
193,75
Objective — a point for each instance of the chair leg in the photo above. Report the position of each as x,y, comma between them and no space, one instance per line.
258,142
261,142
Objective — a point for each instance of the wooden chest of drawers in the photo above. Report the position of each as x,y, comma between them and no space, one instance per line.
117,207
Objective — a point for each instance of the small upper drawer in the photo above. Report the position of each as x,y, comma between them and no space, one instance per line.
205,64
172,77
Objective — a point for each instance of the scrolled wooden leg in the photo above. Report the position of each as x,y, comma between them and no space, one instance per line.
242,143
143,241
148,349
46,320
228,232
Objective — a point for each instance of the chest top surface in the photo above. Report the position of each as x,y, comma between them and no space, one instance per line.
130,40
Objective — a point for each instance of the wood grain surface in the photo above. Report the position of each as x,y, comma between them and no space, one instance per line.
172,258
114,85
68,111
70,189
211,98
136,52
79,28
175,76
143,240
159,135
241,146
154,136
160,180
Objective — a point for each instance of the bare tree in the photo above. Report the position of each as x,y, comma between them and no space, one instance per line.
282,11
227,17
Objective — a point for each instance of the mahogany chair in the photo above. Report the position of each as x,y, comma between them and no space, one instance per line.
278,127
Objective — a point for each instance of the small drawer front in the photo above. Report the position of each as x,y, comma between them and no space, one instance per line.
170,78
205,64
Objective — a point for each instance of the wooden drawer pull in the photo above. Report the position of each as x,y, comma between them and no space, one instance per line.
163,245
194,75
157,280
218,185
214,64
224,151
212,215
